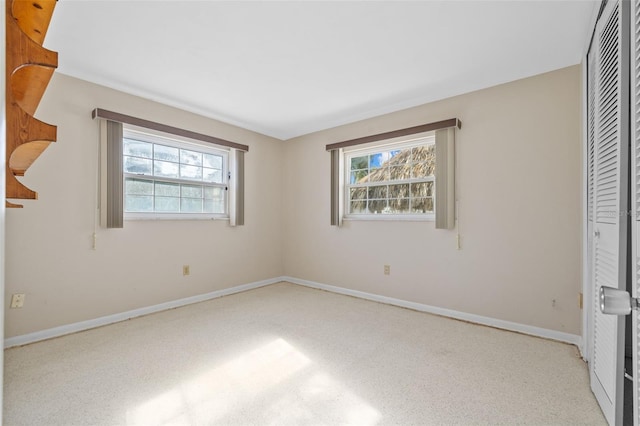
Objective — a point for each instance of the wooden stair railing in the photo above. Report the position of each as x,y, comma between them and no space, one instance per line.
29,68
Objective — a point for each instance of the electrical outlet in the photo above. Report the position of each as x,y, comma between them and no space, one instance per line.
17,300
186,270
387,269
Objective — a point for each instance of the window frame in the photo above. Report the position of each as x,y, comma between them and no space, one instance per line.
160,138
424,139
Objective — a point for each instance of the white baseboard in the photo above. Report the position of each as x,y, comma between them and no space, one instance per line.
110,319
573,339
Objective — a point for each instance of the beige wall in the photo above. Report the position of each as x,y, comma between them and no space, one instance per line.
519,190
519,180
49,242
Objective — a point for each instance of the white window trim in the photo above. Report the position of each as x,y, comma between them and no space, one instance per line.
398,143
152,136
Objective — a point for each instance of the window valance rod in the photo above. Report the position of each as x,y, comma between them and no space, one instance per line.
444,124
134,121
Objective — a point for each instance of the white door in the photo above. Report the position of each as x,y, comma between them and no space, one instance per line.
610,185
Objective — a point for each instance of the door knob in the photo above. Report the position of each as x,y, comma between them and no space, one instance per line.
596,234
616,302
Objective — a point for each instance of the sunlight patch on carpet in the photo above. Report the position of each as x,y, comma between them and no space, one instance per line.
251,379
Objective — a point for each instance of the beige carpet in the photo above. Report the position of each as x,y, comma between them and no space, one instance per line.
286,354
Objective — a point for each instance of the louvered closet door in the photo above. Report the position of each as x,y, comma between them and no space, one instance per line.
610,199
591,154
635,198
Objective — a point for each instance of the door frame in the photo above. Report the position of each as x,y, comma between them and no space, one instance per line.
587,299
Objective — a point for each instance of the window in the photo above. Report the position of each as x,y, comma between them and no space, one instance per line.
168,177
393,179
388,176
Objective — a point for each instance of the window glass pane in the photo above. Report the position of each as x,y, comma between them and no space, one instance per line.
192,191
377,191
418,205
190,157
418,189
420,170
429,205
399,191
377,206
213,206
191,205
136,165
138,186
399,206
358,176
422,205
358,193
431,160
168,204
376,160
399,172
417,154
208,192
213,193
191,172
219,193
167,189
401,156
379,175
359,163
138,203
427,153
136,148
216,203
212,175
212,161
166,153
427,156
359,207
218,206
429,186
165,169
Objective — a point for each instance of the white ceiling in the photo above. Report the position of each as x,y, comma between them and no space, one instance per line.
290,68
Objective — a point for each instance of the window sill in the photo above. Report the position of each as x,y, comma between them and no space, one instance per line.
390,217
173,216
